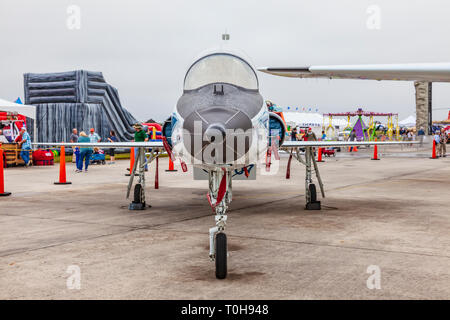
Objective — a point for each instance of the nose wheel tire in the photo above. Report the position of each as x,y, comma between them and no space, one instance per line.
312,192
138,190
221,255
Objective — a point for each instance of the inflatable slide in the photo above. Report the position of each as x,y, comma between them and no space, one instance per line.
78,99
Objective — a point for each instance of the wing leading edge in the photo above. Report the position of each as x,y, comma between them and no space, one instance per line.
289,144
433,72
149,144
302,144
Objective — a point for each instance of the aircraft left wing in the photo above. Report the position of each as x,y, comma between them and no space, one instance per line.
148,144
303,144
433,72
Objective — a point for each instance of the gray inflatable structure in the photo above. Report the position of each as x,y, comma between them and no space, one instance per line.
78,99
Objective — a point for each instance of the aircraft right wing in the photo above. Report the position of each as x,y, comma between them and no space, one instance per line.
303,144
432,72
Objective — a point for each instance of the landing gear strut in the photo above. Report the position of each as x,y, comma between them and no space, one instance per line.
138,202
310,187
219,196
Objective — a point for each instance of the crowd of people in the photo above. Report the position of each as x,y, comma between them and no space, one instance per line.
82,155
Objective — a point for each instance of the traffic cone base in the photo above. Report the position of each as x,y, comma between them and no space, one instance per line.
375,152
2,177
130,169
62,168
319,156
171,166
433,154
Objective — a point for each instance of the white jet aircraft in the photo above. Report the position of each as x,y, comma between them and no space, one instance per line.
221,124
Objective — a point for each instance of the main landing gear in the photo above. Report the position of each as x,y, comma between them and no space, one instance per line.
310,188
138,202
219,197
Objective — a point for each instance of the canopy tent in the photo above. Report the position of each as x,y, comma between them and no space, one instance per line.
408,122
303,119
25,110
307,119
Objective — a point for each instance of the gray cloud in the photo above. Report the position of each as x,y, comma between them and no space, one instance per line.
144,47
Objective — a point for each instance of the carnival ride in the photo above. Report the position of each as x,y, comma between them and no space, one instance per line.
363,132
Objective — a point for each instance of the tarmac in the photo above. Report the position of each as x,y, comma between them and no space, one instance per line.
382,233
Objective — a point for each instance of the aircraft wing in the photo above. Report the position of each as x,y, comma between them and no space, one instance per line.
303,144
433,72
106,145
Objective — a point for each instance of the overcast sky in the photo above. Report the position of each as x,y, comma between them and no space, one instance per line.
143,48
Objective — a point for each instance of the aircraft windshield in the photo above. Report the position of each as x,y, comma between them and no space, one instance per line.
224,68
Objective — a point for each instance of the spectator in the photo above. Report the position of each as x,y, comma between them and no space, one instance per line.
3,138
294,134
310,135
94,137
25,145
410,135
85,153
421,132
324,135
140,136
442,143
112,138
76,150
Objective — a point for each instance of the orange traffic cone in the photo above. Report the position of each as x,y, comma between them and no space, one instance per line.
2,182
319,157
171,166
375,152
62,167
132,158
433,154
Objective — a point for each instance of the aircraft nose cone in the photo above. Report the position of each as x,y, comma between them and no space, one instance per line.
214,130
203,126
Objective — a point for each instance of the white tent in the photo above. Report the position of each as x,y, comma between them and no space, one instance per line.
303,119
408,122
25,110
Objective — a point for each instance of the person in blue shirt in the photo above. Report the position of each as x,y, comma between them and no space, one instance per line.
94,137
112,138
85,153
25,145
437,137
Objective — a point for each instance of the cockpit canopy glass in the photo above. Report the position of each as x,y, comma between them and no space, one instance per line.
225,68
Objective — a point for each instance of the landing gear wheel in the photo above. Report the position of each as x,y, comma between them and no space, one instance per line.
312,192
221,255
138,193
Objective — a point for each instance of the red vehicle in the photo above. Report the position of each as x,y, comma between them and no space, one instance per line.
329,152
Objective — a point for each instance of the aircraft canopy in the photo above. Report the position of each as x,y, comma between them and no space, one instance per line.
221,68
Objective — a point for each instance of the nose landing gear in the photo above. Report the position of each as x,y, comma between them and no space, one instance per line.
219,197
